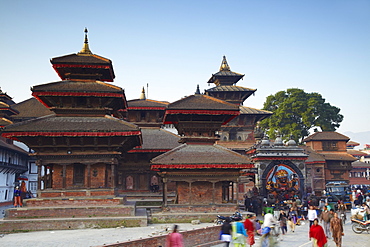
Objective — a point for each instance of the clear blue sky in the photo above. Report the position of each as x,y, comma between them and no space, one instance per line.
318,46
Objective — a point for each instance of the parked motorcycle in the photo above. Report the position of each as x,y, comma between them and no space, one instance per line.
221,219
359,226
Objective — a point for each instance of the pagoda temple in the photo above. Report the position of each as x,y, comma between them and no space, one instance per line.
79,146
241,128
204,172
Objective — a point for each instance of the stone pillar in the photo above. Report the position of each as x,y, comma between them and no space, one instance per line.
88,176
165,192
44,180
213,192
39,164
190,194
64,174
113,175
237,191
232,191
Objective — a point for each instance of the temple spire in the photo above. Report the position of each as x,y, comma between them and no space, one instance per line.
197,91
224,65
142,95
85,48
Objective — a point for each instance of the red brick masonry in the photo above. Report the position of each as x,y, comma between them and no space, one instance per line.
191,238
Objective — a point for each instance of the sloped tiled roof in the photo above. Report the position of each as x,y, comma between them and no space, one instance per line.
233,145
253,111
52,123
140,103
159,139
352,143
313,157
78,59
229,88
190,154
31,108
77,86
326,136
202,102
360,164
15,148
322,157
355,152
339,156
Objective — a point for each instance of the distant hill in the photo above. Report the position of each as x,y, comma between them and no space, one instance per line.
360,137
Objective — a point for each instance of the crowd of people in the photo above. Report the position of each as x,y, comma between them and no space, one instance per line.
324,219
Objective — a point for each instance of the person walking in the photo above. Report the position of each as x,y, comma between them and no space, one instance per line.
239,234
336,227
17,197
250,228
325,218
317,234
283,222
174,239
311,215
226,231
342,208
292,219
267,240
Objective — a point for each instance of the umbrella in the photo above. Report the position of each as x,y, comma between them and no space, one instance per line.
22,177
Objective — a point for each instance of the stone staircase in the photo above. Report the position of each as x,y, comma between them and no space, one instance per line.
72,213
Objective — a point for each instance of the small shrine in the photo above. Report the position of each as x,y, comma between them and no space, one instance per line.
281,169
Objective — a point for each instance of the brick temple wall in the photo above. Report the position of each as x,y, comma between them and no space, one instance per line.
36,202
67,212
201,193
97,176
191,238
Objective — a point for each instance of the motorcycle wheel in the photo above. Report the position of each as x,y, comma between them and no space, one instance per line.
356,228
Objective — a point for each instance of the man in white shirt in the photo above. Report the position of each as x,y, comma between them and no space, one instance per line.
311,215
269,220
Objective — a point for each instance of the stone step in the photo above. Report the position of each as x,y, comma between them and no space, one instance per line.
70,212
23,225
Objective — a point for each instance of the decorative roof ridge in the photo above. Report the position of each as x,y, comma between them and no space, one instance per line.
79,80
32,120
235,86
5,104
122,121
231,151
218,100
255,109
160,129
150,100
208,97
108,84
169,152
315,136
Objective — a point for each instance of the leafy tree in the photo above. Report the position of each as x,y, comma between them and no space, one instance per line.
296,112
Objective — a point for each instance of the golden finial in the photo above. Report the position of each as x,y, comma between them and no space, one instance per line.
224,66
142,95
85,48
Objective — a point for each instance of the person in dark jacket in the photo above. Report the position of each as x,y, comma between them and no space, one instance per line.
226,231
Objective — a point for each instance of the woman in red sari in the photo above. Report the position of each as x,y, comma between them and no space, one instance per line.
318,235
249,227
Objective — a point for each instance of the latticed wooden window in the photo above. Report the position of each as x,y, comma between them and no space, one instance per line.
329,145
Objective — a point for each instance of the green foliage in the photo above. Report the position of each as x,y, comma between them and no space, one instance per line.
296,112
